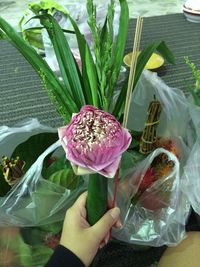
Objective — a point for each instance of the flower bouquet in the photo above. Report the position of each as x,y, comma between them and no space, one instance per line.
38,187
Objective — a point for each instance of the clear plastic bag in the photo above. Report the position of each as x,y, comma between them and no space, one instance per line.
32,212
175,114
191,178
33,201
157,215
153,217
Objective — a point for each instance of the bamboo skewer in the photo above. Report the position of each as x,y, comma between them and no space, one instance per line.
136,49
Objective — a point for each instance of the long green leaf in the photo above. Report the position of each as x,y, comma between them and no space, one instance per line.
2,35
97,197
88,67
92,76
119,47
65,59
66,105
40,28
166,52
146,53
119,106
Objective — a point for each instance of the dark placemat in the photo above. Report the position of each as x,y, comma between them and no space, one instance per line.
182,37
116,254
21,92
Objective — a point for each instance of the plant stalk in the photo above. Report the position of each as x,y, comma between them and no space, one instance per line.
97,197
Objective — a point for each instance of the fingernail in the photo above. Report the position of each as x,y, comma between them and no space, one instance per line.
102,245
115,213
119,225
107,239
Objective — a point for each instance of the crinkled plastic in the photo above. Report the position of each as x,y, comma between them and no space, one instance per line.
33,201
175,111
159,215
156,215
191,179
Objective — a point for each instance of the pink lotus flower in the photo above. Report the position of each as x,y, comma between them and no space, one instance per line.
94,142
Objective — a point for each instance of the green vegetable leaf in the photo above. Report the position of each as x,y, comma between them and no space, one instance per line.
32,235
32,148
60,172
30,256
54,228
49,6
57,165
65,178
129,160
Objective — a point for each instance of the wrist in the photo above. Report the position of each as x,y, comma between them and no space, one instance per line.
77,249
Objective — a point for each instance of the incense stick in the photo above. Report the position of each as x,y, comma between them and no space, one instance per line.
136,48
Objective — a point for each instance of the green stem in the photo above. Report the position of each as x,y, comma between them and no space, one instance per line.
97,201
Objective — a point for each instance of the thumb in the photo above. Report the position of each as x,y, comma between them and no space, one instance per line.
102,227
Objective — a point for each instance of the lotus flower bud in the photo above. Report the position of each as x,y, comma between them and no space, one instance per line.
94,142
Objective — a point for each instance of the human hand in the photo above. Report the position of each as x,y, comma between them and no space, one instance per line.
81,238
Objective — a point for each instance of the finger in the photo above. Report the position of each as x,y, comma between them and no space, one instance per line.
118,224
103,226
81,200
110,204
105,241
